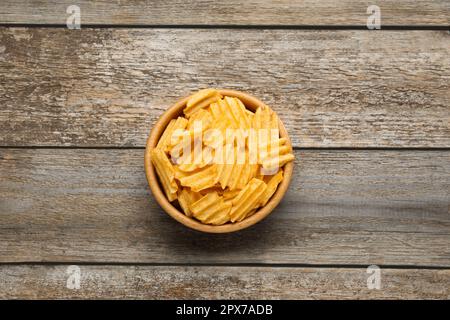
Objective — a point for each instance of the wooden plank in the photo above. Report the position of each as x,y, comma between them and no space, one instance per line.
343,207
176,282
233,12
106,87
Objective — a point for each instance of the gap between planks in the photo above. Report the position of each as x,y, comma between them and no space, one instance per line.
231,265
223,26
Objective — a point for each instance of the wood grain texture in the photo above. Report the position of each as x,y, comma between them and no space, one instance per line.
106,87
234,12
343,207
164,282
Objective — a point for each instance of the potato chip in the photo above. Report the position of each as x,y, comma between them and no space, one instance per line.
188,163
215,110
251,212
202,116
274,152
227,114
165,172
272,185
200,100
211,209
167,134
221,214
230,194
277,162
247,199
265,118
238,112
200,179
248,172
179,174
225,170
166,138
186,198
236,176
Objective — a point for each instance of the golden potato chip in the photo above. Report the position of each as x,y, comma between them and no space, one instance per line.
221,214
216,111
165,172
200,179
226,113
247,199
274,120
189,167
274,152
251,212
243,178
230,194
203,116
200,100
235,176
167,134
188,163
277,162
179,174
238,112
265,118
211,209
186,197
213,138
250,116
166,138
200,96
272,185
248,172
224,170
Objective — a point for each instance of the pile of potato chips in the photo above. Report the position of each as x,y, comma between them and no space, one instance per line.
221,162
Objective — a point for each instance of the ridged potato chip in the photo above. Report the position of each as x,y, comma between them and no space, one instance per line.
247,199
211,209
165,140
200,100
166,173
203,116
200,179
277,162
186,198
272,184
238,113
230,194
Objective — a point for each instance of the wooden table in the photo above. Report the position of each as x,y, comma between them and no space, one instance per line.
368,112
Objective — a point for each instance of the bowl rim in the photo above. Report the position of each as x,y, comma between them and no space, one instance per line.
175,110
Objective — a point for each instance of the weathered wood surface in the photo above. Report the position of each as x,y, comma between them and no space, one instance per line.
234,12
173,282
343,207
105,87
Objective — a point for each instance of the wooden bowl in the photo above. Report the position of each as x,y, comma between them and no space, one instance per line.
177,110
